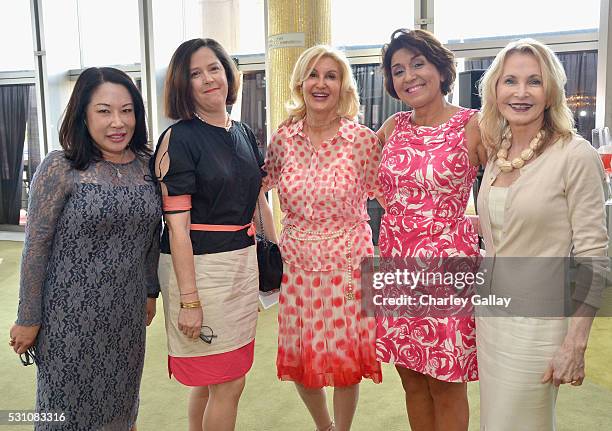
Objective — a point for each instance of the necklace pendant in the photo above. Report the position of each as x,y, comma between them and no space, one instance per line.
119,174
349,296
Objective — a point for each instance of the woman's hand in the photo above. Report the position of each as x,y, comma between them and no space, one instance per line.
23,337
190,321
566,366
151,309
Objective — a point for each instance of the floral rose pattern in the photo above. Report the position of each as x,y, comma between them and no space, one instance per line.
426,178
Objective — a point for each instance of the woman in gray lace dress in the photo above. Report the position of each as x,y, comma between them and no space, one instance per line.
90,259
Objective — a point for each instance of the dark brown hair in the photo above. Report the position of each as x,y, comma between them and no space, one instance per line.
178,103
79,147
421,42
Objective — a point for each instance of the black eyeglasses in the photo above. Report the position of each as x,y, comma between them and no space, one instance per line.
28,357
207,335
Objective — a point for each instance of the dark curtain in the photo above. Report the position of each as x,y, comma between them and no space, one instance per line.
581,89
376,107
254,105
376,104
478,63
33,154
14,112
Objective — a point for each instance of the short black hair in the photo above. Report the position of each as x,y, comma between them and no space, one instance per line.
79,147
426,44
178,103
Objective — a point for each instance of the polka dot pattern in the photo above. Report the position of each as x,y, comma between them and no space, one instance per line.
324,340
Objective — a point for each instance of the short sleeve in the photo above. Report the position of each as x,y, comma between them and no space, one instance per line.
180,179
273,162
373,154
50,189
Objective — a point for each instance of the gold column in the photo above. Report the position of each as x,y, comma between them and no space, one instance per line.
293,26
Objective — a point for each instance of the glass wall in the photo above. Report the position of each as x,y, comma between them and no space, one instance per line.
367,23
251,29
457,21
109,32
254,105
16,36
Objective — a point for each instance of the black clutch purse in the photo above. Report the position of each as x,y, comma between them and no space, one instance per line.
269,260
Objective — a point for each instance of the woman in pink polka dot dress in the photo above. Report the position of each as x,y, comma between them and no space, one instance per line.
324,166
429,163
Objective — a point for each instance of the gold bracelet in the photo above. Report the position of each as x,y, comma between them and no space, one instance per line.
195,291
193,304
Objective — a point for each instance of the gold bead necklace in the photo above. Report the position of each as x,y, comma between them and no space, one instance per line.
527,154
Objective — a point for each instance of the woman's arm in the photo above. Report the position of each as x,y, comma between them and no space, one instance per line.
585,201
567,366
385,130
179,228
266,217
50,188
273,163
151,278
476,149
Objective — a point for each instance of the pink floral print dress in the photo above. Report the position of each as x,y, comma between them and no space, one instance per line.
426,178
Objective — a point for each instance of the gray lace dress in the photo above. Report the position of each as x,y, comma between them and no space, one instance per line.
89,262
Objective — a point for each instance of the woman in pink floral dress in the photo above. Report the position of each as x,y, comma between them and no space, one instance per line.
324,166
429,162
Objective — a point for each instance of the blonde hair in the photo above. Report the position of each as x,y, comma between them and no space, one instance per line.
558,119
348,105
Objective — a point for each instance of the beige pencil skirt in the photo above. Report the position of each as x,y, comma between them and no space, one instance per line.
513,354
227,284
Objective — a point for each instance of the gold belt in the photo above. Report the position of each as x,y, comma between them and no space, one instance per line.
314,236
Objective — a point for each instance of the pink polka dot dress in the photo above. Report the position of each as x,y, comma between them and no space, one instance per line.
426,178
324,339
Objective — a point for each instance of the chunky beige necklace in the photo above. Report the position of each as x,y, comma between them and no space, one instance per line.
527,154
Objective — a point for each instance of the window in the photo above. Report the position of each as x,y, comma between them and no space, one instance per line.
252,30
16,36
254,105
364,22
109,32
455,21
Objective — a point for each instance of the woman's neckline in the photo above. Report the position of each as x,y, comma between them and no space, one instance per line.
459,109
121,163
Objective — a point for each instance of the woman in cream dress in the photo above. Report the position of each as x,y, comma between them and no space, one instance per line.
541,199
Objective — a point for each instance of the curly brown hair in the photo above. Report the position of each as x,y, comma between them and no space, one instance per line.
425,43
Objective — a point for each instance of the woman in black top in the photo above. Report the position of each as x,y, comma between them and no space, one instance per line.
209,169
